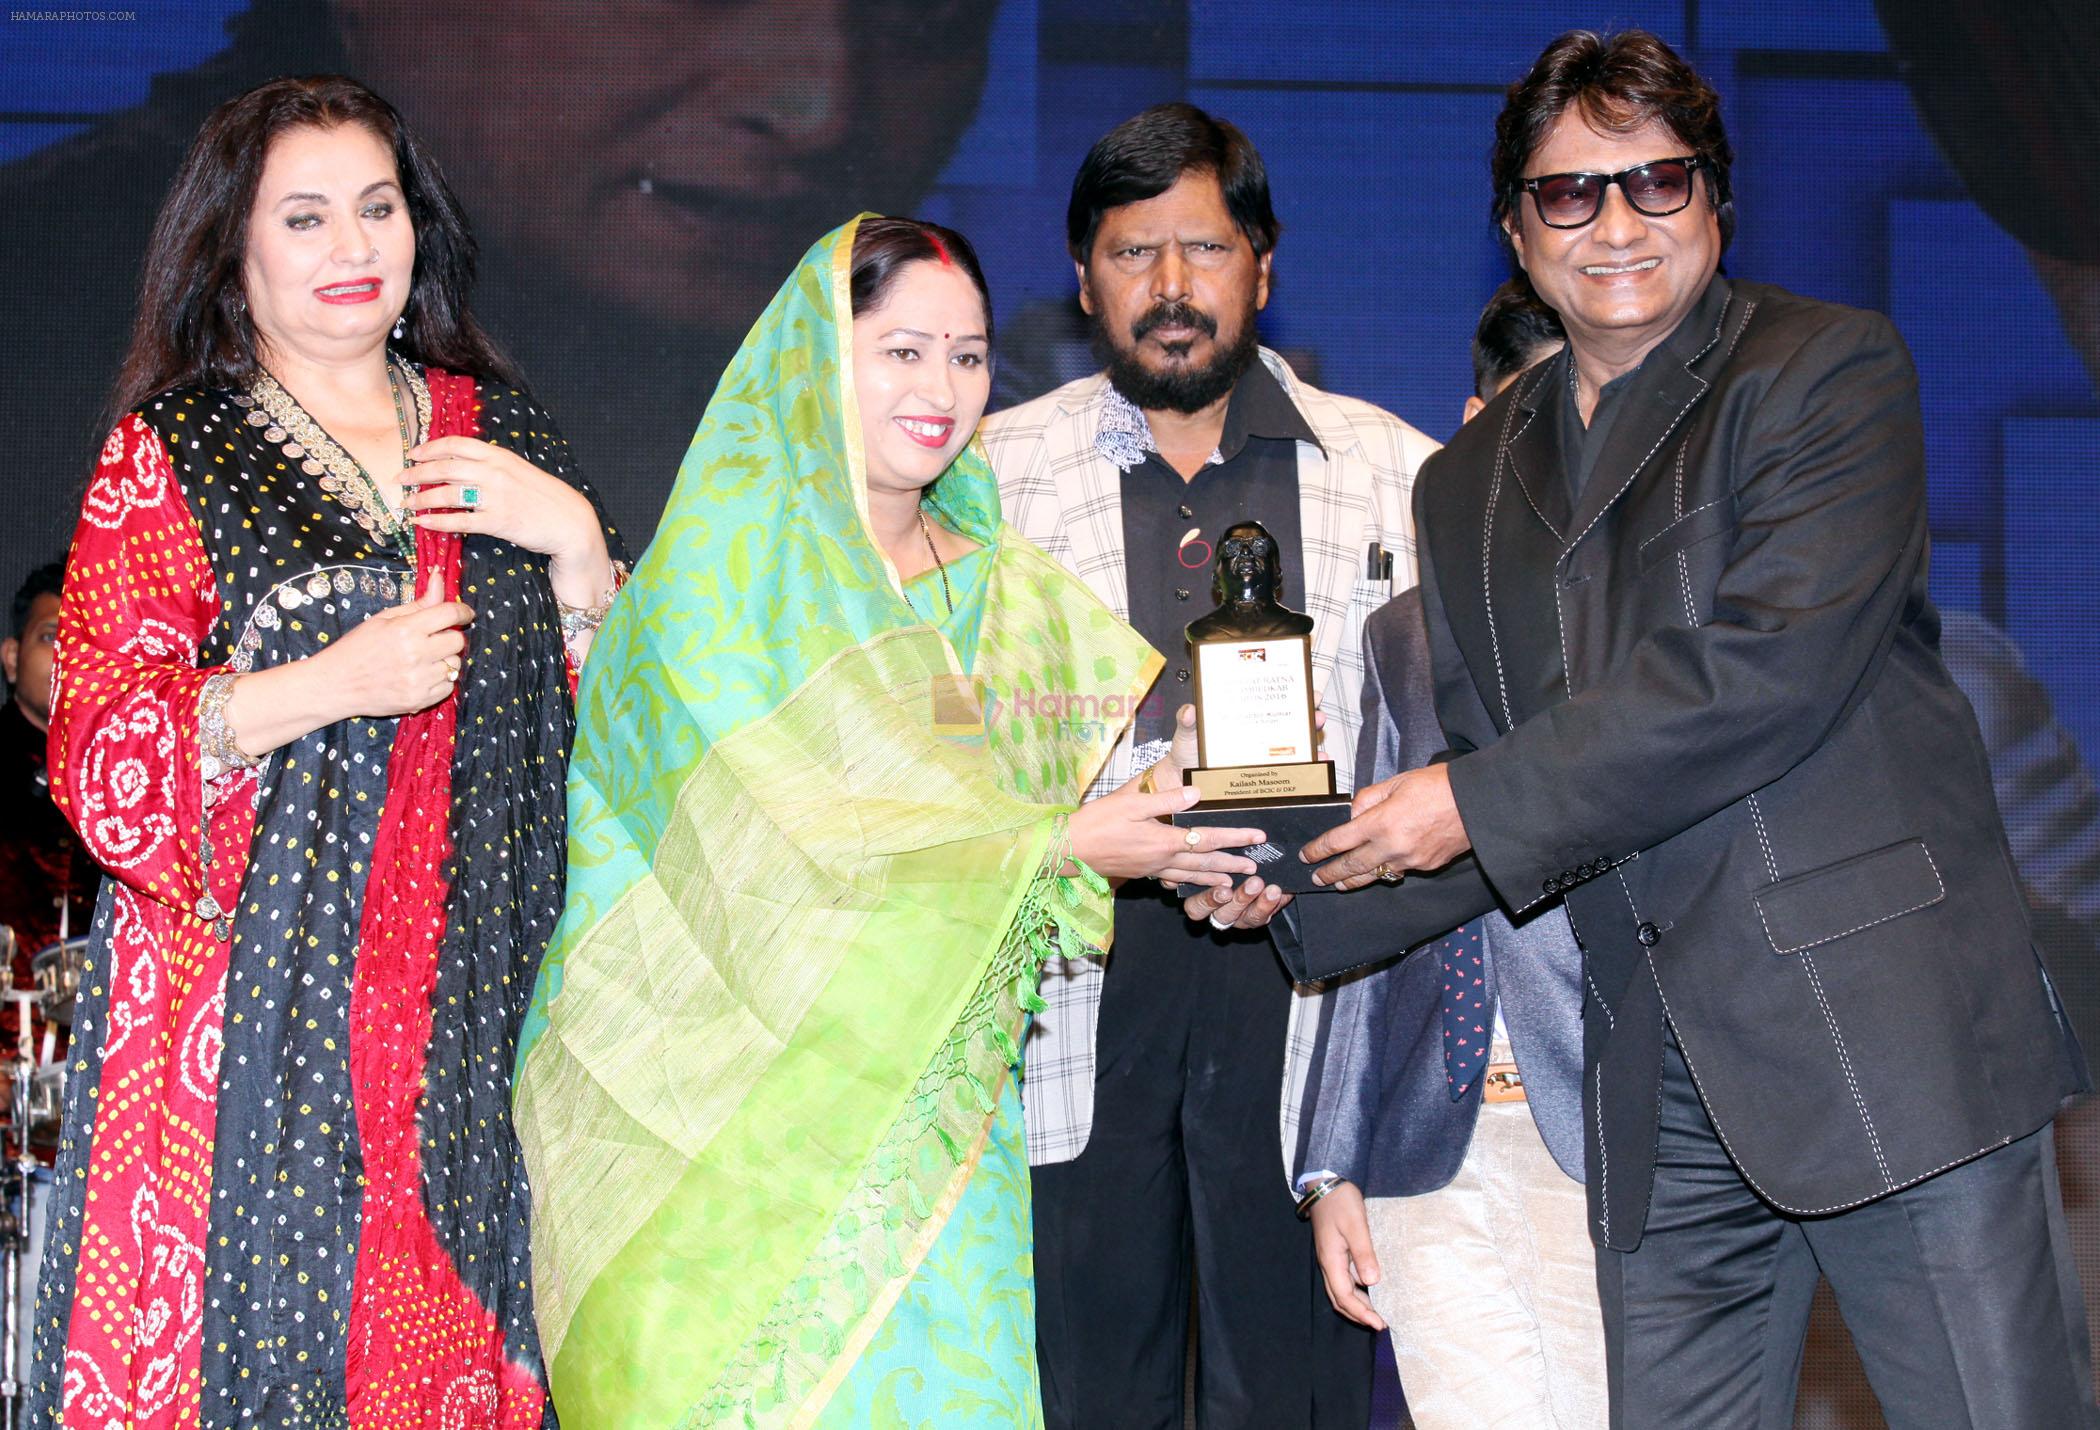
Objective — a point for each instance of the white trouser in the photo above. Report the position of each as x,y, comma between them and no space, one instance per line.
1490,1288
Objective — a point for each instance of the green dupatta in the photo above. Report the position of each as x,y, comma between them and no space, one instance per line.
767,1041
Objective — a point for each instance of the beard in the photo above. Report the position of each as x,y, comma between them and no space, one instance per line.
1179,389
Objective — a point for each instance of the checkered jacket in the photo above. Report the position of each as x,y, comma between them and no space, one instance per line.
1354,488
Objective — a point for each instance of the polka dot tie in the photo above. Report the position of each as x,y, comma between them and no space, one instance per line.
1465,1008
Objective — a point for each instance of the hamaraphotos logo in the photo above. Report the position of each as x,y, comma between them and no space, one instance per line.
966,707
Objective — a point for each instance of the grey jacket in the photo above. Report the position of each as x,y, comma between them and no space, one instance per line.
1378,1107
1062,492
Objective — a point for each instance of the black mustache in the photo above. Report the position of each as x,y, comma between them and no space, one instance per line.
1174,315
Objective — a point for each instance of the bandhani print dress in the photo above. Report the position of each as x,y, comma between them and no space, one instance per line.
288,1191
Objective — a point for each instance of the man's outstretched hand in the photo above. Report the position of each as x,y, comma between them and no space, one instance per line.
1409,822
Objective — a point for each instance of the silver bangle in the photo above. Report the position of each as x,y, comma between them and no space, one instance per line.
219,754
581,620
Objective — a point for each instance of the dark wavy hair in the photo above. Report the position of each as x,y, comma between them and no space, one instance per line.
193,326
1147,154
885,247
1617,85
1516,329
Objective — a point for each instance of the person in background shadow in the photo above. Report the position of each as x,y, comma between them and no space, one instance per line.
47,881
47,884
2008,93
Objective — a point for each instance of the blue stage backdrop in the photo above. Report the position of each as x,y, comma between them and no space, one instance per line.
641,174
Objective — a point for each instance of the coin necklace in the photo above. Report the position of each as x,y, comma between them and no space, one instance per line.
340,474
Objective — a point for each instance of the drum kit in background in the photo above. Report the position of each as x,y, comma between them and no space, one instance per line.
36,1085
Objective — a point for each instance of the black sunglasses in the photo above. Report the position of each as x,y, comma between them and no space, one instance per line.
1657,188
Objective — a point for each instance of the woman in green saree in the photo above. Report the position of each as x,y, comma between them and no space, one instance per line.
825,825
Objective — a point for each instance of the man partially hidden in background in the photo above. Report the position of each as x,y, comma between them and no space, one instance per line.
47,882
1444,1142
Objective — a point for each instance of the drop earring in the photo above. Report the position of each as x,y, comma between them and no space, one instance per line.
400,328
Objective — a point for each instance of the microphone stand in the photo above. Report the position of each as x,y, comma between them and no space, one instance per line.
14,1222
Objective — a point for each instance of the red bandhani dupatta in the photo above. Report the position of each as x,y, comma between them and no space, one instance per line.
140,601
423,1350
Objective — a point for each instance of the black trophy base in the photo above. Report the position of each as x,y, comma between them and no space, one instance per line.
1290,825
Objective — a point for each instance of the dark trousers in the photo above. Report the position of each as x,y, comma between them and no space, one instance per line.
1959,1292
1184,1174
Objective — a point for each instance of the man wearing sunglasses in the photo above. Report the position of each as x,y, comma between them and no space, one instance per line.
1688,672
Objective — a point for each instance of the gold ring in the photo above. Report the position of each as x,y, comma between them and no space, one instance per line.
1388,875
1194,837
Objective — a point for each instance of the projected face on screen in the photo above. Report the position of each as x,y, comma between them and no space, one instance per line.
677,159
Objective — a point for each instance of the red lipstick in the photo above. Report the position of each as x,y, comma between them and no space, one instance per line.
924,439
360,290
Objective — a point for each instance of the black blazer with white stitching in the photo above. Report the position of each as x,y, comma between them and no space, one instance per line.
1705,707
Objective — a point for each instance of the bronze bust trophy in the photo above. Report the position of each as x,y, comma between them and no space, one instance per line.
1244,579
1257,746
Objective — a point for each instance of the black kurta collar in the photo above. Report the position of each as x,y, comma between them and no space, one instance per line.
1259,407
1655,394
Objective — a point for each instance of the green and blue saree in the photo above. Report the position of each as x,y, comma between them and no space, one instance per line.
816,828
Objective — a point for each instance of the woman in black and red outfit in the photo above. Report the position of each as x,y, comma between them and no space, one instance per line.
323,618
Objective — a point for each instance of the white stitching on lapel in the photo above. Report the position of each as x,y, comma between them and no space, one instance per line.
1684,563
1537,379
1487,566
